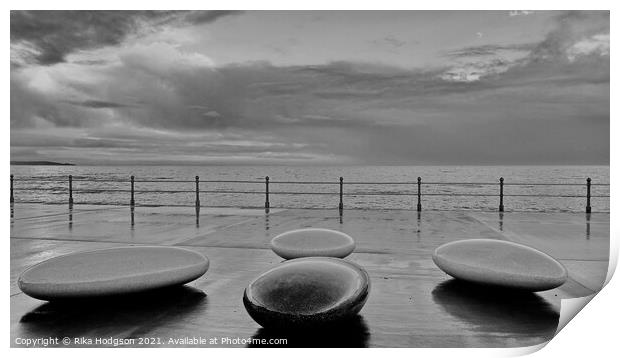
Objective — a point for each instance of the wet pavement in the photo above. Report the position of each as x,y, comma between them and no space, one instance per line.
411,304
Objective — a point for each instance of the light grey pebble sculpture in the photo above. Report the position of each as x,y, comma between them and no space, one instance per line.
500,263
312,242
114,271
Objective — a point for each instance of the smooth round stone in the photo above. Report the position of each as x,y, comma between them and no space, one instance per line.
307,292
113,271
500,263
312,242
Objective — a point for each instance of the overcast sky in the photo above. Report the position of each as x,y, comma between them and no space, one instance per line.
268,87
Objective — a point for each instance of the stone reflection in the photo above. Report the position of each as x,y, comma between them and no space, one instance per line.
419,226
99,317
501,221
588,217
352,333
70,217
493,309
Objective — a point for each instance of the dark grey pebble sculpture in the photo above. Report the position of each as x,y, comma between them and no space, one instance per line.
307,292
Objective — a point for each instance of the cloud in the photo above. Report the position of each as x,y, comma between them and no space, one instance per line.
51,35
475,71
575,35
97,104
571,27
389,43
161,57
211,114
595,45
137,145
513,13
205,17
488,50
47,37
477,62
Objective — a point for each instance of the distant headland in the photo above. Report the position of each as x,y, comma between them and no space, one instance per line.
37,162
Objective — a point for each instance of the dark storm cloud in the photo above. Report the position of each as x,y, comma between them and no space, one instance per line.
49,36
54,34
203,17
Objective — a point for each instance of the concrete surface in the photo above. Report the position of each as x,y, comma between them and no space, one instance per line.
412,303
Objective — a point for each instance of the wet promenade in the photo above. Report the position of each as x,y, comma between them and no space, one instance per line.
411,304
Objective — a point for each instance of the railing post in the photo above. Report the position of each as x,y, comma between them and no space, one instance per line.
501,194
12,199
197,192
70,189
419,194
588,207
341,205
267,194
132,201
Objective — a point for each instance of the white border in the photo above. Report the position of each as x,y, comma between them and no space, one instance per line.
592,332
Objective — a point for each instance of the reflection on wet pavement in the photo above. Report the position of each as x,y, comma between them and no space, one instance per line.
349,334
127,316
492,309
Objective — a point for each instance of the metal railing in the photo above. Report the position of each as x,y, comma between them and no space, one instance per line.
197,203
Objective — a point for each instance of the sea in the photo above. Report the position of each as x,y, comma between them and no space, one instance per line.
364,187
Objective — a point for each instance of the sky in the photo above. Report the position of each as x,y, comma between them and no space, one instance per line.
310,87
